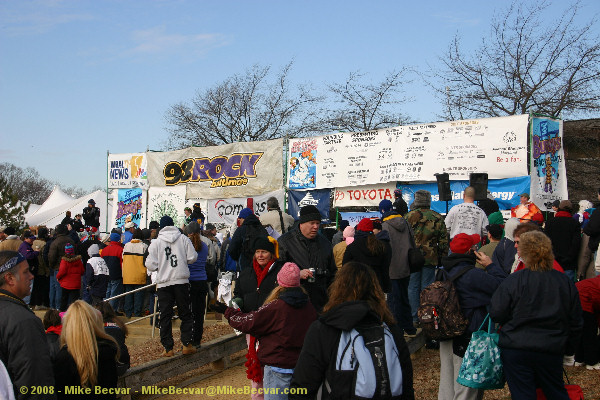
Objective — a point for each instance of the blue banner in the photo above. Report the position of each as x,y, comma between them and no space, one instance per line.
354,217
319,198
505,191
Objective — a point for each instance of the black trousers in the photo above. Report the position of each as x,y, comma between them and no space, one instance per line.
527,370
40,294
68,296
168,297
588,350
198,292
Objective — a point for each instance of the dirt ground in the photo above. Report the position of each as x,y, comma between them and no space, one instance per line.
426,365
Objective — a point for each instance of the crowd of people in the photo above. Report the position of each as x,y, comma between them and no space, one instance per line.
299,295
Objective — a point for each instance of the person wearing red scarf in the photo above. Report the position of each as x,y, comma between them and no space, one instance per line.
252,288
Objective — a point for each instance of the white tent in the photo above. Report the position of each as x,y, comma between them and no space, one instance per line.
52,212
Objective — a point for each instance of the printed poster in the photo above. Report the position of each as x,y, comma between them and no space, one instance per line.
548,168
127,171
171,201
354,218
496,146
129,204
226,211
318,198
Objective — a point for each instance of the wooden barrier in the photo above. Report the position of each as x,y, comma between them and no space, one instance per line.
153,372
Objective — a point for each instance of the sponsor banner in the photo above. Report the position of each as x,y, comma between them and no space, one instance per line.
129,204
364,196
227,171
226,211
497,146
127,171
548,169
505,191
354,217
170,201
318,198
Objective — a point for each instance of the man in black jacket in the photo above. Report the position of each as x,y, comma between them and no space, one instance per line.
91,214
241,247
23,348
304,246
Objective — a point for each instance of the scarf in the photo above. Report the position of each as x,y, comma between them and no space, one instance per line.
55,329
254,370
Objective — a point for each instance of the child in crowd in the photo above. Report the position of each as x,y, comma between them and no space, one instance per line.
53,325
118,330
69,276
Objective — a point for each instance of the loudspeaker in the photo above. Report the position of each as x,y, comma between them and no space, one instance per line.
479,182
443,183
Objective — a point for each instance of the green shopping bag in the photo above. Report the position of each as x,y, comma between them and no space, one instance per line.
481,367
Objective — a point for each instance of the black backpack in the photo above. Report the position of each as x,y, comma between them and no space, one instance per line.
439,311
366,365
253,232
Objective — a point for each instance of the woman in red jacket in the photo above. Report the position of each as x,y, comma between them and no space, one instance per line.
69,277
279,326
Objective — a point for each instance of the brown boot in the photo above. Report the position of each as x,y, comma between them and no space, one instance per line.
188,349
167,353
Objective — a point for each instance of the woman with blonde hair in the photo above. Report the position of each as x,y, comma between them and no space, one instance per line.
540,313
88,356
356,301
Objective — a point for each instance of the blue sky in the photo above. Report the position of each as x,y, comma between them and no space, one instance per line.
78,78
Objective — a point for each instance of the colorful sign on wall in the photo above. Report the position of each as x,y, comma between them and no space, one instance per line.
318,198
129,204
127,171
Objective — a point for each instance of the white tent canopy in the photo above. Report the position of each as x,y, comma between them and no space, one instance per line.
52,212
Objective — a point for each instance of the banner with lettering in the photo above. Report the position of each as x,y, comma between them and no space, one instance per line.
318,198
127,171
226,211
497,146
363,196
505,191
227,171
548,169
170,201
354,218
129,204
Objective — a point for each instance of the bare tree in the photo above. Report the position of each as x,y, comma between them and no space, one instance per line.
365,106
527,64
26,183
247,107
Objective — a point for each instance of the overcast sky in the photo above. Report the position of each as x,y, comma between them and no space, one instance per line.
80,78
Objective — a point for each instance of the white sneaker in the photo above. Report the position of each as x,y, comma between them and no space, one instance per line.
595,366
568,361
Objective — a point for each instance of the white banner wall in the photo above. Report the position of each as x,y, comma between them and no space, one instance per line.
170,201
497,146
225,211
232,170
127,171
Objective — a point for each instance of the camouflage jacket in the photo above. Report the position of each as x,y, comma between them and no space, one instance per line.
430,234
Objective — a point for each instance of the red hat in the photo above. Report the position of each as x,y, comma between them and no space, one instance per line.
289,275
365,225
462,242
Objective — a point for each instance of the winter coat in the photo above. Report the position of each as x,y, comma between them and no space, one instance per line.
113,255
504,254
134,271
31,255
589,295
91,216
338,253
124,359
314,253
357,251
53,341
66,374
57,250
321,343
11,243
39,245
430,234
70,272
272,218
247,289
565,234
97,276
399,232
474,288
23,347
169,254
337,238
236,247
592,229
539,311
279,326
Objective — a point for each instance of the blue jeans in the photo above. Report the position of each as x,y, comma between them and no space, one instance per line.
55,291
133,302
419,281
85,294
399,305
273,380
115,288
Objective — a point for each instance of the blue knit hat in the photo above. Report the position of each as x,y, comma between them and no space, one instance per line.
245,213
385,206
166,221
115,237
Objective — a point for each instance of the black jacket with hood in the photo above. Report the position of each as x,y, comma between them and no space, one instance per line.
321,344
236,247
